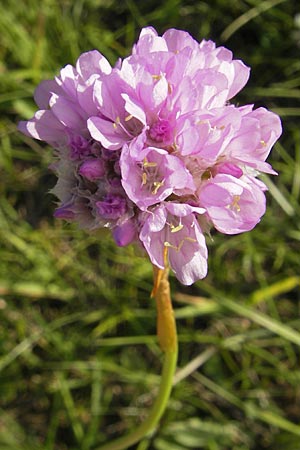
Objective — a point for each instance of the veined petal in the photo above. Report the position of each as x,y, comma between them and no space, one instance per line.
160,92
234,205
178,40
241,76
92,62
183,238
45,127
149,42
68,81
133,109
44,92
65,112
189,269
106,132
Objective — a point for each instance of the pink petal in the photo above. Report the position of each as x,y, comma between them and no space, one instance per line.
241,76
44,126
133,109
66,113
104,131
44,91
92,62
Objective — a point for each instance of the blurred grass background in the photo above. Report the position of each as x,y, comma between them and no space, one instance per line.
79,360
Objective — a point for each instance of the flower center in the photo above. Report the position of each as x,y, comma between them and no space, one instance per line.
234,205
160,131
174,228
150,175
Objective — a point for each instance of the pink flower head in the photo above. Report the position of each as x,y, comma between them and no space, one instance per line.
151,148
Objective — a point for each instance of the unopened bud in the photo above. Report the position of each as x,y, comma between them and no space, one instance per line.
92,169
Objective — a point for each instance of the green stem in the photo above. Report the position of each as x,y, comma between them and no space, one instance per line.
157,410
167,336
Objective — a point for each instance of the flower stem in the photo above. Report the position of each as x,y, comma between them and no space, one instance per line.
166,330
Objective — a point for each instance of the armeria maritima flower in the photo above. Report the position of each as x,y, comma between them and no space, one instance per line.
152,148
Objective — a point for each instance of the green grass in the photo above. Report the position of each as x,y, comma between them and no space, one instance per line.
79,359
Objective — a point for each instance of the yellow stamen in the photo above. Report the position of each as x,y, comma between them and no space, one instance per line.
235,203
175,229
202,122
167,244
144,179
157,185
179,247
128,117
117,122
146,163
190,239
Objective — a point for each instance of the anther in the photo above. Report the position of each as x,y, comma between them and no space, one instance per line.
157,185
144,178
235,203
175,229
146,163
116,122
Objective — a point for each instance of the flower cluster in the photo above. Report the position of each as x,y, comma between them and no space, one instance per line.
152,148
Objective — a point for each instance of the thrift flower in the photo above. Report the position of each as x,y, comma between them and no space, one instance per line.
152,149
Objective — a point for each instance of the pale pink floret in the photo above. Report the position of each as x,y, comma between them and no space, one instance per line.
174,226
201,56
251,145
125,109
233,205
151,175
67,101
